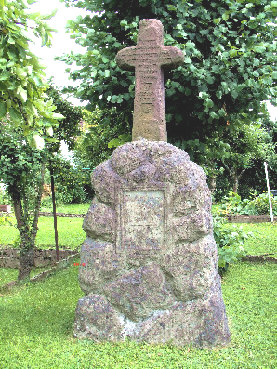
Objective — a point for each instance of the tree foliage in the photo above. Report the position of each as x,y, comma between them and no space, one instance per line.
104,131
229,64
69,127
27,117
22,80
247,145
22,169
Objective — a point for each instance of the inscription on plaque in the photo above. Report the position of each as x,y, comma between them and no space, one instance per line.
142,220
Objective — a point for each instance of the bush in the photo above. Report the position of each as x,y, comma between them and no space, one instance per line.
233,204
4,197
261,204
230,241
70,182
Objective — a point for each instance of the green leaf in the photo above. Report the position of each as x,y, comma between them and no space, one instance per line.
115,142
21,73
22,93
44,39
219,94
107,73
3,109
210,80
209,103
105,60
214,115
234,94
38,141
233,53
4,76
15,115
49,16
259,48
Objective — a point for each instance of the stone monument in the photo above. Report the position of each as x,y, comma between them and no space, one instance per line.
149,263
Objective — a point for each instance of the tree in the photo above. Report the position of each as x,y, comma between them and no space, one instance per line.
253,178
69,126
228,71
27,118
248,144
104,131
22,169
22,82
67,131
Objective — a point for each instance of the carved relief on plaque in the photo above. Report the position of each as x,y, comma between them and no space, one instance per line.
141,220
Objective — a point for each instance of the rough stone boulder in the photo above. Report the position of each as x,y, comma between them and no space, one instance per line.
150,259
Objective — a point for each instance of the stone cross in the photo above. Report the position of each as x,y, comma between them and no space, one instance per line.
149,58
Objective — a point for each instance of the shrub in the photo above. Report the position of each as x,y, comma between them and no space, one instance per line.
230,241
261,204
233,204
4,197
70,182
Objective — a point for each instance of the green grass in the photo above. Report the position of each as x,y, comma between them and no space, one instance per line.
71,234
68,208
263,240
70,230
36,328
8,275
36,319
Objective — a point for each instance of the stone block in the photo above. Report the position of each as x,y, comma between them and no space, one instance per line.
150,257
97,320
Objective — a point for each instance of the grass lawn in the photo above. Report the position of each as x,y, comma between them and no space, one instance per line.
8,275
67,208
36,328
71,234
263,240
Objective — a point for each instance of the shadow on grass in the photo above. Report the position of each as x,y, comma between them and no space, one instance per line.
42,308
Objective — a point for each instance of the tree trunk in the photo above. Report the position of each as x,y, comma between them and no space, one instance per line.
54,212
26,258
26,261
235,181
27,233
212,183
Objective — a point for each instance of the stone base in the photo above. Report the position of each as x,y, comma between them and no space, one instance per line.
201,323
149,263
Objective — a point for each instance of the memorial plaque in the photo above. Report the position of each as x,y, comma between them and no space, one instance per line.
141,223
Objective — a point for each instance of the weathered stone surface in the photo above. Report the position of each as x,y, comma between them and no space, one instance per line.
99,263
202,323
96,319
99,221
131,292
150,255
149,58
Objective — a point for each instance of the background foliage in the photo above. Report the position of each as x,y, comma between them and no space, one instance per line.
228,72
22,79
